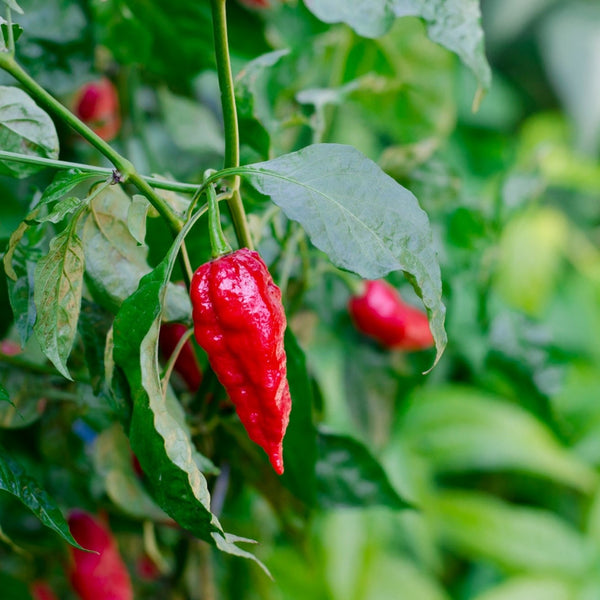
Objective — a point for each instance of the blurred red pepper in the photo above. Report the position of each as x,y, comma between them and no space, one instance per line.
97,105
99,575
259,4
40,590
380,313
187,362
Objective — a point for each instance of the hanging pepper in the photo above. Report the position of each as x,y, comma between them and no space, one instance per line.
381,313
240,322
101,574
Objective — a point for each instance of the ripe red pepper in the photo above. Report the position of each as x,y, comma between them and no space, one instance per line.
40,590
240,322
101,576
380,313
187,362
259,4
97,105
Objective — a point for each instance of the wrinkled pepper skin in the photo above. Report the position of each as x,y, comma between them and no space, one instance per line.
101,576
240,322
380,313
187,362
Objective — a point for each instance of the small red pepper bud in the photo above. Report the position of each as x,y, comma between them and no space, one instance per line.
40,590
240,322
97,105
99,575
380,313
187,362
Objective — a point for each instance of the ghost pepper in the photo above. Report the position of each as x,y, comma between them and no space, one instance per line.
240,322
380,313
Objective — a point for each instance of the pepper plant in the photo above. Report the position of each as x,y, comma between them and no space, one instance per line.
309,129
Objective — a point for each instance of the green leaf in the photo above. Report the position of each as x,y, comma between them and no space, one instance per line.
63,183
349,476
300,441
360,217
158,433
57,294
136,217
4,397
26,404
459,428
24,128
531,587
454,24
115,262
481,527
13,6
15,481
62,209
113,461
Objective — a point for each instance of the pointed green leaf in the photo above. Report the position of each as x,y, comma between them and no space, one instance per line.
349,475
24,128
57,294
360,217
15,481
4,397
63,183
63,208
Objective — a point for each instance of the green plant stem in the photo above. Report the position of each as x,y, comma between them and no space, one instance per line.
232,137
11,36
125,167
218,242
155,182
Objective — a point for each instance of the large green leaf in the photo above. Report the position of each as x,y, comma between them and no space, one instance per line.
459,428
455,24
24,128
349,476
158,433
360,217
482,527
15,481
115,260
57,295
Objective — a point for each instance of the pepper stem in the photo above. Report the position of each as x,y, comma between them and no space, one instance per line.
218,241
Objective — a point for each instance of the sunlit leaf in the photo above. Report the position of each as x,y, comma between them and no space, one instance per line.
360,217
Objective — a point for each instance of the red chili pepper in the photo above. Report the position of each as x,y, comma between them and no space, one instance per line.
240,322
187,362
97,105
101,576
40,590
380,313
259,4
